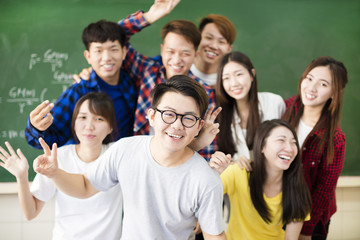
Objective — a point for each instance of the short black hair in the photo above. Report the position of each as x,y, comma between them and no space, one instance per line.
103,31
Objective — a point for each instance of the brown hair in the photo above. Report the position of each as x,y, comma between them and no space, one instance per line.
228,104
184,28
223,24
330,115
296,198
100,104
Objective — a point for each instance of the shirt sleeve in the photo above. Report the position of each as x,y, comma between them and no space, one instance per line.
326,182
42,188
103,174
135,64
209,213
228,179
32,135
133,23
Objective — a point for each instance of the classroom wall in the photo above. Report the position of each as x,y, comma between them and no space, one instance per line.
13,225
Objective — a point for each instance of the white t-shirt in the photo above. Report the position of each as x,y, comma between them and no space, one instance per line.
302,132
160,202
209,79
271,106
97,217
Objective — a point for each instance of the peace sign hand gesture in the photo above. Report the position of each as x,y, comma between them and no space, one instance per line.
47,164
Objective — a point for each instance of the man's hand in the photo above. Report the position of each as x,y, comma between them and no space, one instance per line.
85,75
41,117
208,131
219,161
159,9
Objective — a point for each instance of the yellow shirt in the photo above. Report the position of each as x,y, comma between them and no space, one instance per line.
245,222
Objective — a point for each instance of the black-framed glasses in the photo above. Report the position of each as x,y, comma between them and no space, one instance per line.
169,117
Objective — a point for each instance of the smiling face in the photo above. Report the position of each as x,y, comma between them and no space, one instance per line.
213,45
236,80
177,55
106,59
174,137
89,127
280,149
316,87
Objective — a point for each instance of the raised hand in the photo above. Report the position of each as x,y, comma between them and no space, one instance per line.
46,164
41,117
85,75
159,9
219,161
244,162
209,130
15,163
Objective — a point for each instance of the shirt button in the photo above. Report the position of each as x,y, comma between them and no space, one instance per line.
312,163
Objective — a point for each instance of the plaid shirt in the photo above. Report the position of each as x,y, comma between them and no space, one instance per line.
147,73
60,130
321,177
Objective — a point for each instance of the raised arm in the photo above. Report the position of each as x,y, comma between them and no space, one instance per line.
75,185
17,164
160,9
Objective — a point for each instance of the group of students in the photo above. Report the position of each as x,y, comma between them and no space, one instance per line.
280,175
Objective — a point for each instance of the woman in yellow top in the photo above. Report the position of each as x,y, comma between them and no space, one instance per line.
273,200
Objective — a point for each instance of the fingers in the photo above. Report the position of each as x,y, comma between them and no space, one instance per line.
20,154
76,78
220,158
45,147
84,74
9,147
211,115
244,162
40,117
38,164
215,114
4,153
54,151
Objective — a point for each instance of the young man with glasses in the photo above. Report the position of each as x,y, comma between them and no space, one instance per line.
167,187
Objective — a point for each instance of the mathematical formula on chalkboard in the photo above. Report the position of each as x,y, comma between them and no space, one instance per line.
25,96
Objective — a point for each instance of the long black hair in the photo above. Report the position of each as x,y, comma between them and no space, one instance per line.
296,198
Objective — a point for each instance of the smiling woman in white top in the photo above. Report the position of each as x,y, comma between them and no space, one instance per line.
244,108
98,217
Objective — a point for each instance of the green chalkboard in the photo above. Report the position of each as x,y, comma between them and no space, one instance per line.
40,47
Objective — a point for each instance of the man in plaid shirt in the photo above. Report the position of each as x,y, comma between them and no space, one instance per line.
178,50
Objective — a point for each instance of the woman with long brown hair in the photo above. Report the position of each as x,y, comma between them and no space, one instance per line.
315,113
243,107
